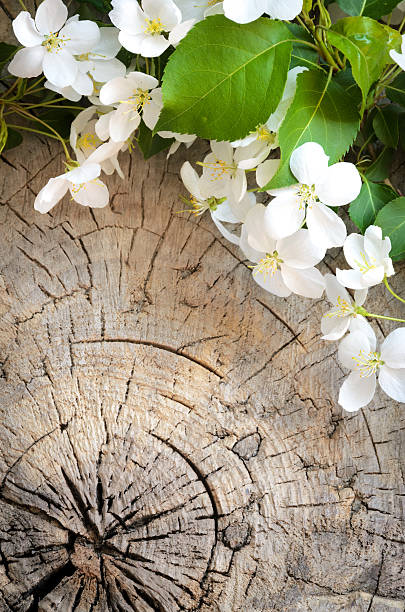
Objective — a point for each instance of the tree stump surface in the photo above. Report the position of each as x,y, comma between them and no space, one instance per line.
170,433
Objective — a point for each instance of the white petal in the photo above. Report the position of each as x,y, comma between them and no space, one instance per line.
354,250
284,9
393,349
50,16
84,173
104,152
60,68
102,127
340,184
27,62
357,392
360,296
284,215
233,238
398,58
352,345
222,151
144,44
335,291
67,92
374,276
82,36
123,123
248,251
165,10
392,381
83,84
309,163
240,209
180,31
325,226
103,71
353,279
243,11
273,283
116,90
374,246
308,283
191,10
191,181
333,327
239,185
128,16
93,193
224,213
25,30
266,171
108,45
215,9
152,110
299,251
361,324
51,194
258,238
142,81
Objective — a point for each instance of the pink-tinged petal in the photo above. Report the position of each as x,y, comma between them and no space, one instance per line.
353,279
392,381
340,185
284,216
25,30
266,171
128,16
308,283
27,63
393,349
299,251
335,291
353,345
93,193
242,11
81,36
273,283
325,227
286,9
334,327
357,392
50,16
258,238
123,123
165,10
60,68
309,163
51,194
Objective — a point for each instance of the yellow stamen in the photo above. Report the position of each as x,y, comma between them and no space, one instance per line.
219,169
268,265
365,265
154,27
88,141
368,363
139,98
54,43
307,195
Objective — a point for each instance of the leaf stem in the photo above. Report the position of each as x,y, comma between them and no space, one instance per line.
28,129
391,291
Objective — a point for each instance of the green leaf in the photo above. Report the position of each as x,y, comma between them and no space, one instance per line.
151,145
386,125
396,90
370,8
321,112
364,42
379,170
302,54
225,79
391,219
372,198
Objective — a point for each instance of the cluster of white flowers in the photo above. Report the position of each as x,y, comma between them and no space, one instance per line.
287,238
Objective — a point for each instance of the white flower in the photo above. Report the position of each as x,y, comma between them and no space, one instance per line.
199,9
179,139
368,256
143,30
83,183
244,11
399,58
134,96
282,266
222,209
319,187
346,313
50,43
357,352
84,139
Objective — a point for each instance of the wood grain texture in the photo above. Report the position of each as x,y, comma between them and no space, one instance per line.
170,434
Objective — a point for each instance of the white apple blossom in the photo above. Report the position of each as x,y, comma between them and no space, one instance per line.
135,93
399,58
50,43
244,11
179,139
95,67
319,187
368,256
83,183
143,30
222,209
282,266
198,9
358,353
346,312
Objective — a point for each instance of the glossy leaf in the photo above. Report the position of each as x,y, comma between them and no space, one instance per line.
372,198
225,79
396,90
379,170
386,125
369,8
391,219
151,144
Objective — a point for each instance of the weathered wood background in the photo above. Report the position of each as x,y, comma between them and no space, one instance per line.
170,433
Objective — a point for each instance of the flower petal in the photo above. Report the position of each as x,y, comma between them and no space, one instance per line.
127,16
93,193
340,184
116,90
27,62
139,80
398,58
242,11
360,296
273,283
144,44
249,252
309,163
266,171
25,30
50,16
357,392
326,228
51,194
152,110
165,10
334,327
224,213
108,45
352,345
284,215
353,279
233,238
240,209
308,283
82,36
123,123
393,349
258,238
392,381
103,71
191,181
299,251
286,10
335,291
60,68
359,323
180,31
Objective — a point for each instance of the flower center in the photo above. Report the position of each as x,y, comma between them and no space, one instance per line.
268,265
365,264
219,169
343,309
368,363
307,195
266,135
198,207
88,141
154,27
139,98
53,43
